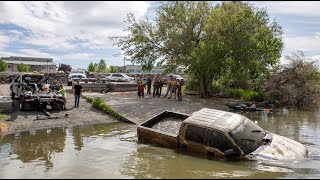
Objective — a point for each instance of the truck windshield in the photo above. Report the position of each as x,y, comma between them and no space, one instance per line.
248,136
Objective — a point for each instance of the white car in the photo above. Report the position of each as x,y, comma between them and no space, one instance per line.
75,76
120,77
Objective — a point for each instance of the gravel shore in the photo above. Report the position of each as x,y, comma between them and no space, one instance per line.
127,104
85,114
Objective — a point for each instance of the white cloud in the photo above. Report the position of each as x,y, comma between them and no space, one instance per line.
35,53
8,53
54,24
51,41
4,40
304,43
301,8
315,58
78,56
26,53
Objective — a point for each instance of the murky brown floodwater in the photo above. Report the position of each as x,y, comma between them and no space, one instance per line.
111,151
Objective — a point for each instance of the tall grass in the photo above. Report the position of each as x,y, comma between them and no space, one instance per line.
100,104
247,95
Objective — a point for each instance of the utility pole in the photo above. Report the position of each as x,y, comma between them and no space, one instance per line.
124,65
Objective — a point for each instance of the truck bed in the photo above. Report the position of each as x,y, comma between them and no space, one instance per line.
162,129
169,125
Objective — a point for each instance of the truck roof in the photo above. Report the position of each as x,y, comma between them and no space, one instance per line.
216,119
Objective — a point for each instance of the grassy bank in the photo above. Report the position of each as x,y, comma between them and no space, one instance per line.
100,104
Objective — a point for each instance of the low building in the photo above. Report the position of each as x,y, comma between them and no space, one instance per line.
44,65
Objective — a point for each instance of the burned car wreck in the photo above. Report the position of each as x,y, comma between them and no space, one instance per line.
34,92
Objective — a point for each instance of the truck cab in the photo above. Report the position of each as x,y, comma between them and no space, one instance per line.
215,133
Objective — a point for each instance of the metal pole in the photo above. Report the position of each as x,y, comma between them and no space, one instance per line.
124,65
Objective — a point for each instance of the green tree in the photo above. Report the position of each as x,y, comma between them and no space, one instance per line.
254,42
95,65
102,66
91,67
3,65
113,69
232,37
23,67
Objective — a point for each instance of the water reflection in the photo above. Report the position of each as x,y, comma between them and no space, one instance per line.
42,145
35,145
156,162
112,151
296,124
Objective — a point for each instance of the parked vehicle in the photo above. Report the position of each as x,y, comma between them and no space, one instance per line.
119,77
33,91
166,79
30,100
24,80
77,74
216,133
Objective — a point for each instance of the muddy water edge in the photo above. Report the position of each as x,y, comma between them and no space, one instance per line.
111,151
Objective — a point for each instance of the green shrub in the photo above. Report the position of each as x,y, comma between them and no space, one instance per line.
235,93
217,88
192,86
247,95
100,104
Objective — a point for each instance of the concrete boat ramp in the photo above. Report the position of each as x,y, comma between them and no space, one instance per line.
138,110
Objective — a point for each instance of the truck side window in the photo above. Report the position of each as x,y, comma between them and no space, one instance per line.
208,137
195,134
217,140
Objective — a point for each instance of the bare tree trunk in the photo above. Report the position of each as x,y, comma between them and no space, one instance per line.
202,89
205,87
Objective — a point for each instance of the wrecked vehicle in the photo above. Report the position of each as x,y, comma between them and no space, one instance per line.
215,133
34,92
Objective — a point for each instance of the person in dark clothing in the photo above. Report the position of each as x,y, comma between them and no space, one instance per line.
169,87
77,93
156,84
160,86
148,83
179,88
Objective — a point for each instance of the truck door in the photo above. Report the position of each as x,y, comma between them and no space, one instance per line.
211,143
217,143
192,139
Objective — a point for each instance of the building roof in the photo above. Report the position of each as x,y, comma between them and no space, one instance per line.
216,119
37,63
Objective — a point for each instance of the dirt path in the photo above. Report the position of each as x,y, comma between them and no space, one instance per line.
26,120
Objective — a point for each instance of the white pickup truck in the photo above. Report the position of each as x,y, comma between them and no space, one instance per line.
76,74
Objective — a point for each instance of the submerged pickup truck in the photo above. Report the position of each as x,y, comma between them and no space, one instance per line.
216,133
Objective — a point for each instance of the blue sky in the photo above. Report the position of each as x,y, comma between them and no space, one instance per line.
76,33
